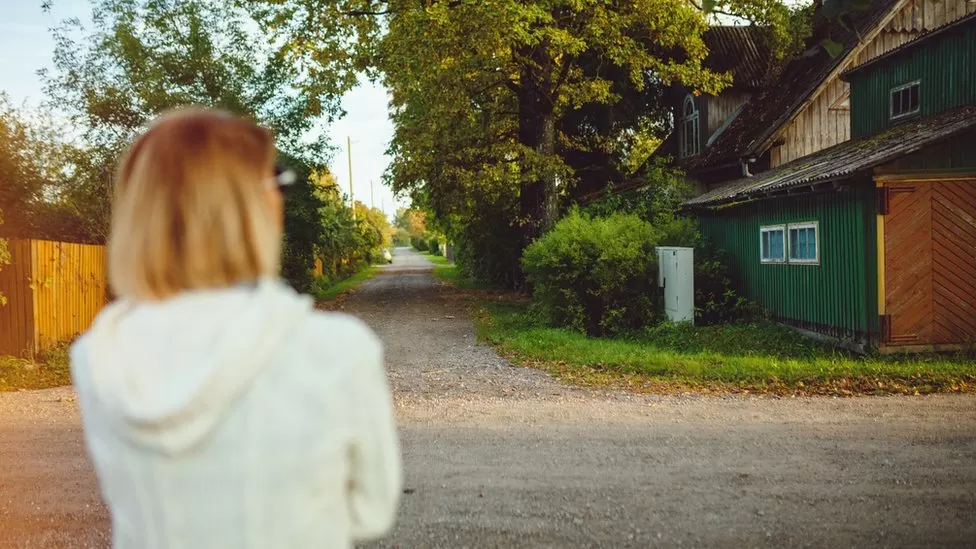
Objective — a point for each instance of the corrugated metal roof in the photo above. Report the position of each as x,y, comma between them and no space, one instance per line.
846,158
968,20
741,50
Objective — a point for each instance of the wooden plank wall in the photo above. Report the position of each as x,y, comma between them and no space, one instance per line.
818,126
720,107
54,291
17,316
926,15
70,288
954,271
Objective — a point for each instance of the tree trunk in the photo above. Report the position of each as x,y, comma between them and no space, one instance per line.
538,205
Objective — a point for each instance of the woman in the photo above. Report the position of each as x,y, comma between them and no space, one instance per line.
220,410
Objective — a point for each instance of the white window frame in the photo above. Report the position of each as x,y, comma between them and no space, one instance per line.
815,225
786,252
891,103
689,119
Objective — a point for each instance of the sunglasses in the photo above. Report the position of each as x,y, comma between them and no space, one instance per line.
283,177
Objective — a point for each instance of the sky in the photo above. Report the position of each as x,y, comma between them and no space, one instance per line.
26,46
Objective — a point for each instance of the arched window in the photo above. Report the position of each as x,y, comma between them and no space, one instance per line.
689,128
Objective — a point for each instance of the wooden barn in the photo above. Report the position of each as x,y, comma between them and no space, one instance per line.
873,238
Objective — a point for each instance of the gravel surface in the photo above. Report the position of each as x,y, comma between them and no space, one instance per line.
499,456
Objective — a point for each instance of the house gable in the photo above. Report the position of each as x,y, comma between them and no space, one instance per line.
928,75
816,125
792,116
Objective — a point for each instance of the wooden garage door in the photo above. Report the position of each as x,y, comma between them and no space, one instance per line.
930,262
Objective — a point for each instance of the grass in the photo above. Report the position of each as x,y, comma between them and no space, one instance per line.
761,357
50,370
446,271
323,292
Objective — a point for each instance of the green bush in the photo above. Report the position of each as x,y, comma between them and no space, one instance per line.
401,237
716,300
434,245
596,275
418,243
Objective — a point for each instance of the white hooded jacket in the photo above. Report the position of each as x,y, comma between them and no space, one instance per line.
238,418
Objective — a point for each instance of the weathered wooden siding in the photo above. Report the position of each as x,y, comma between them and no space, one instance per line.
55,290
944,66
817,127
922,15
720,108
838,296
17,316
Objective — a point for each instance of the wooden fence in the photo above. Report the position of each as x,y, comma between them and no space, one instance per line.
53,290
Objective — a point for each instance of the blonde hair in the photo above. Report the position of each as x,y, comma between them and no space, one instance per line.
189,210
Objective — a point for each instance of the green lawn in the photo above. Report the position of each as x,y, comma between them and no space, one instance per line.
50,370
759,357
323,292
447,271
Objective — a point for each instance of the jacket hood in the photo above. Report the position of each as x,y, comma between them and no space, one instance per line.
164,374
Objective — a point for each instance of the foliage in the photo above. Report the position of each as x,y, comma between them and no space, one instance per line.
419,243
786,25
345,244
327,289
716,299
414,222
377,222
32,161
50,369
401,237
434,246
494,102
143,57
596,275
661,191
303,226
759,357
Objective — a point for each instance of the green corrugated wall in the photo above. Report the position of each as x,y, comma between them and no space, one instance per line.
838,296
945,66
950,155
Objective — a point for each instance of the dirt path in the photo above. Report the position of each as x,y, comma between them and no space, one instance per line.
498,456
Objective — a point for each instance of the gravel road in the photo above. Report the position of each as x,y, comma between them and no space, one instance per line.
499,456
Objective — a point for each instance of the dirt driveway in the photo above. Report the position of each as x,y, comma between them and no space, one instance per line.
498,456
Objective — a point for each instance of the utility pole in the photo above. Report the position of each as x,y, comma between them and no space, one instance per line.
352,200
372,197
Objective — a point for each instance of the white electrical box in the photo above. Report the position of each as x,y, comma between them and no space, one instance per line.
676,274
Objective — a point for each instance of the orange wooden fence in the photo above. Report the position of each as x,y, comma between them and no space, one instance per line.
53,290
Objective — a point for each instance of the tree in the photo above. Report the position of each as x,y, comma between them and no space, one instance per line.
411,220
144,57
377,220
492,101
32,160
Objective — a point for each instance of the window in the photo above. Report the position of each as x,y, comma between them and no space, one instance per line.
689,128
792,243
773,244
904,100
803,243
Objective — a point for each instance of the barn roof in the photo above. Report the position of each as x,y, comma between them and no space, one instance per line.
741,50
845,159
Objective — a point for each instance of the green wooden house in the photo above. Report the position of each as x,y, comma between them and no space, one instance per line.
872,240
